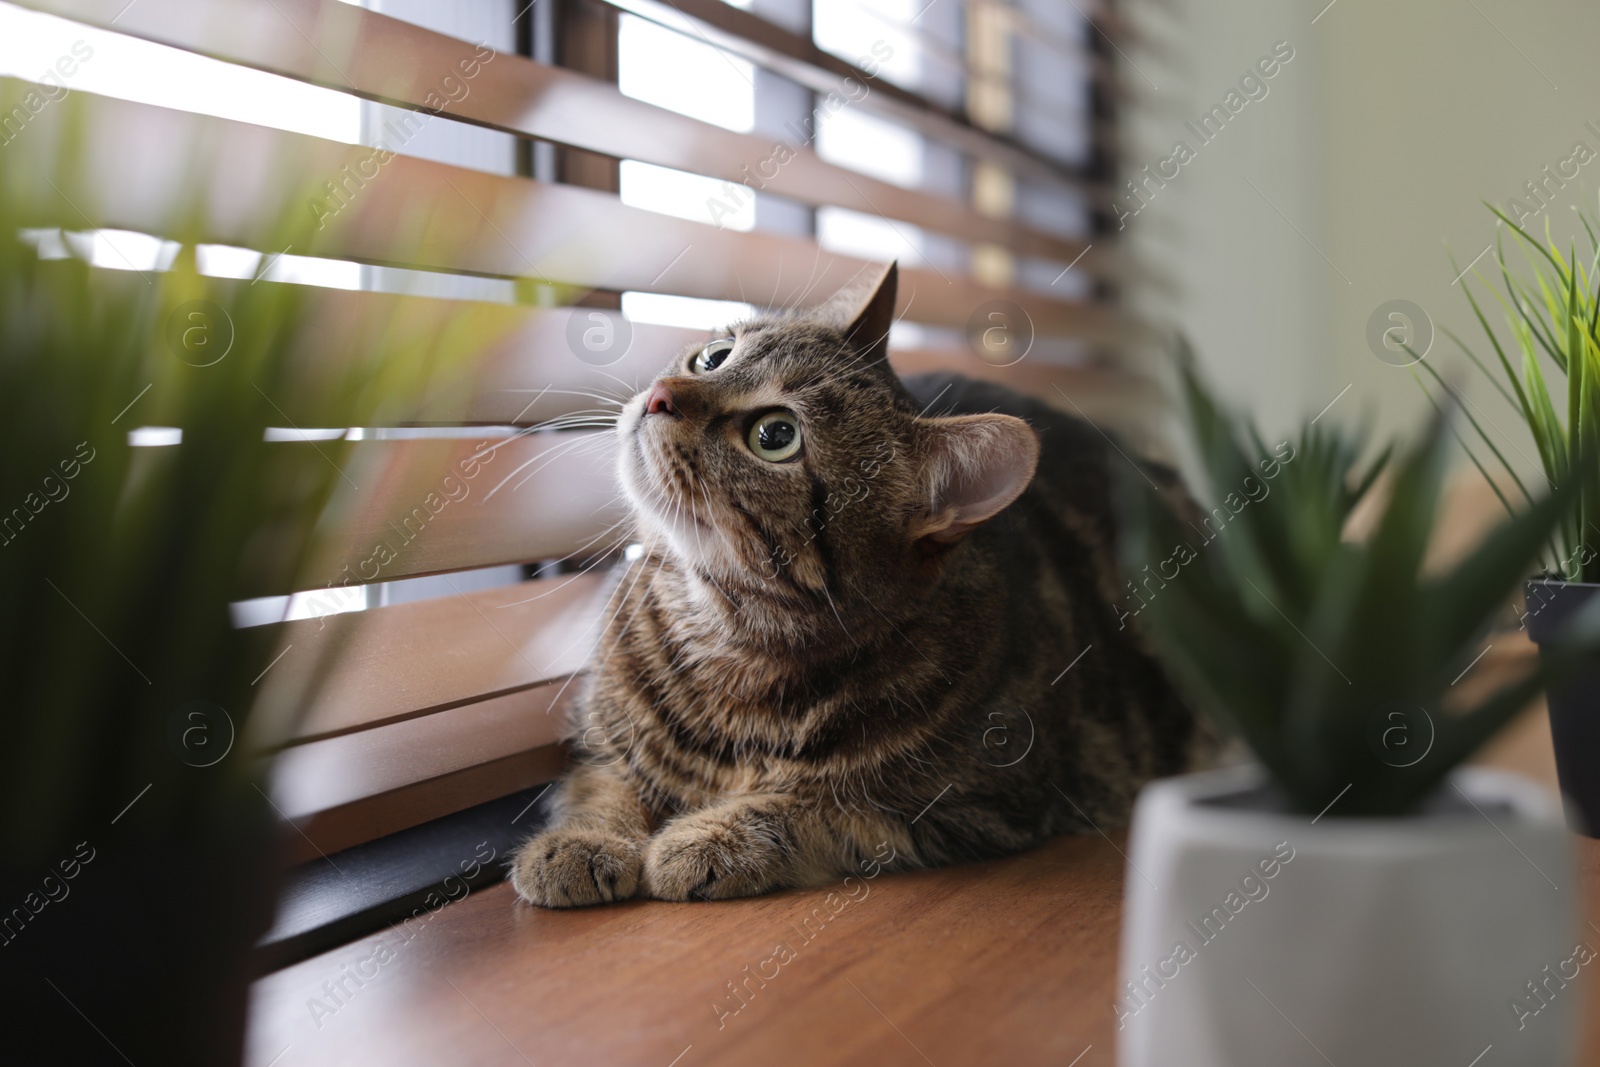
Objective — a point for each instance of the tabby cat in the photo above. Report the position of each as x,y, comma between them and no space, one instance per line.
866,612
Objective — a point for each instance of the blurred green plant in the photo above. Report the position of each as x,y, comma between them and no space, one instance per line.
133,732
1553,314
1312,646
118,563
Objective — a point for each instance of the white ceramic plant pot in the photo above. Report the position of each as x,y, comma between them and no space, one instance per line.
1254,938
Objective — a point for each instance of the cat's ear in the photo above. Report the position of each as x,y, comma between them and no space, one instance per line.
864,309
972,467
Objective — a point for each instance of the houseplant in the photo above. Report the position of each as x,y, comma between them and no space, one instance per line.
1355,896
1552,314
138,856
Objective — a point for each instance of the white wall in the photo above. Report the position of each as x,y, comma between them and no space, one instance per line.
1251,291
1378,142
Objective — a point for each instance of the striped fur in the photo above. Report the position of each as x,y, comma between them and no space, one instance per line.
815,657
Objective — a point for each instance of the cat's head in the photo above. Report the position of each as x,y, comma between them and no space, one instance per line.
784,460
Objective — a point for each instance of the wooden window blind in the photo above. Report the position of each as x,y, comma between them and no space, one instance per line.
450,701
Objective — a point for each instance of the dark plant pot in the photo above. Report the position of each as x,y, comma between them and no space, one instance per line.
1574,703
147,956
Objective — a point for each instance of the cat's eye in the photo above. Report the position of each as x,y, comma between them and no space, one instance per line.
775,436
711,356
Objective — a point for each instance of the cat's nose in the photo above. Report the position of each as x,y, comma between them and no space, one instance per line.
660,401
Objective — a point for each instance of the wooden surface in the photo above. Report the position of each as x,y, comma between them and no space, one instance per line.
1010,962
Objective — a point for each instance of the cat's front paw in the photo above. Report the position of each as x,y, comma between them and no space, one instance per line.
569,868
712,855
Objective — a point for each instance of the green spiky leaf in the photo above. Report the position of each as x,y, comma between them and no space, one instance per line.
1306,643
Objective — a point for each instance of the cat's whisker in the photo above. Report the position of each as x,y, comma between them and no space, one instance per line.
776,285
601,420
582,422
700,543
555,451
609,412
568,422
614,498
613,405
629,389
599,558
566,581
677,512
812,281
629,621
586,393
792,305
555,700
694,519
547,455
606,413
553,455
619,596
852,363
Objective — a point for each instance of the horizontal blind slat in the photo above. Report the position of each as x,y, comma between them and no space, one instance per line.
348,790
414,507
417,213
410,660
537,367
798,57
399,63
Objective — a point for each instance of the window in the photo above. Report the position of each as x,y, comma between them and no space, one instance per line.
610,180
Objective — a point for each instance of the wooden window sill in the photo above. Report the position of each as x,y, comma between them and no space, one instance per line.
1012,961
1035,936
